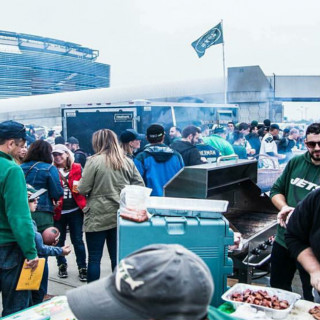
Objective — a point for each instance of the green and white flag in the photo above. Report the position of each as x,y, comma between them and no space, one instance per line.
212,37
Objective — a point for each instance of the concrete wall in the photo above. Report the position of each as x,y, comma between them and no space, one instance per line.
252,90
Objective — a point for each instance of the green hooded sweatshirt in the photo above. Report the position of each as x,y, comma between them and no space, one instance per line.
15,218
298,179
219,143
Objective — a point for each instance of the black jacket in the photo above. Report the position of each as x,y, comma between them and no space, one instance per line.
188,151
303,229
80,157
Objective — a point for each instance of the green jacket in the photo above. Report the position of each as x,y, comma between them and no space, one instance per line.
216,314
102,186
298,179
219,143
15,217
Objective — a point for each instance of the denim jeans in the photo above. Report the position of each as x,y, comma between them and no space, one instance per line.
75,222
95,243
11,261
283,268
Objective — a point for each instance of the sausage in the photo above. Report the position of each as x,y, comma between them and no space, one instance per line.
261,298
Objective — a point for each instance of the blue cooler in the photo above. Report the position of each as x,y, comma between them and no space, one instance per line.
208,238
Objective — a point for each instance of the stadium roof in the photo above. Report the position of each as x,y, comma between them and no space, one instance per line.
27,42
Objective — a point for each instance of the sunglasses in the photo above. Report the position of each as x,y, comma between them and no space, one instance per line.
312,144
33,200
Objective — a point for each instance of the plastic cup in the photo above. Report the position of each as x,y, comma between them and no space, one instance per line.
75,186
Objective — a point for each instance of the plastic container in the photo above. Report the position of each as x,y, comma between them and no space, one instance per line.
273,313
186,207
134,197
208,238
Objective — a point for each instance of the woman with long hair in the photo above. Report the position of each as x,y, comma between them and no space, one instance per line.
41,173
68,212
130,142
106,173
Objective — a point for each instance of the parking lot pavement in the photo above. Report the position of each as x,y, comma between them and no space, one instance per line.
58,286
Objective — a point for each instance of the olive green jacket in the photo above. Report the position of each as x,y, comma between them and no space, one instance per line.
102,186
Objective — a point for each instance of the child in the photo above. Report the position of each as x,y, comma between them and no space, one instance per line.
43,251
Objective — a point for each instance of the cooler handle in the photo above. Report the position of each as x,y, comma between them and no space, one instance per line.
176,225
175,219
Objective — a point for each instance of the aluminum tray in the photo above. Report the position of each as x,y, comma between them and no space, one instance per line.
186,207
282,295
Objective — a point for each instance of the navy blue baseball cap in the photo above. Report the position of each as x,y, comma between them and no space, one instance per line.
12,130
130,135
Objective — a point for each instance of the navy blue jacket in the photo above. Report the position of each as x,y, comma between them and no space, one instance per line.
157,164
44,175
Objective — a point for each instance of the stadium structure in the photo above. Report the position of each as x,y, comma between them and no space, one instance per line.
32,65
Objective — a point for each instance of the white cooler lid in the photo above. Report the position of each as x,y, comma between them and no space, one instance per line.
187,204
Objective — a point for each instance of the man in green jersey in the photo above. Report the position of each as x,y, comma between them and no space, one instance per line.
16,230
218,141
300,177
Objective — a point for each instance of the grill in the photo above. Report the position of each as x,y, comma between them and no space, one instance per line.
250,211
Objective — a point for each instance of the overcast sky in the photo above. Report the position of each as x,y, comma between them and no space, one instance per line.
149,41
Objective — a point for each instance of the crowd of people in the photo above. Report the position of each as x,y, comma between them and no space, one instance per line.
82,193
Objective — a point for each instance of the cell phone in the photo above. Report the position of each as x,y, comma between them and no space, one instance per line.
37,194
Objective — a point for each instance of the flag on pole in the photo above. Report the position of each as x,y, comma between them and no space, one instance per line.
212,37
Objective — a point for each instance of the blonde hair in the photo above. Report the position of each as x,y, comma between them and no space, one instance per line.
70,160
106,141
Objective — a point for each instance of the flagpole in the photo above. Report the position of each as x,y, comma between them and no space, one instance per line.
224,66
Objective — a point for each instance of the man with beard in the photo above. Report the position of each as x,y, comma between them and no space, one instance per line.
300,177
79,154
175,134
16,230
186,146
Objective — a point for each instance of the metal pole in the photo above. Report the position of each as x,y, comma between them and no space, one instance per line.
224,66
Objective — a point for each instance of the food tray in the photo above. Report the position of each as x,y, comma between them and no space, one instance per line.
282,295
202,208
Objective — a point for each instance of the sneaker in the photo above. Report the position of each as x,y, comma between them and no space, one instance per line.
83,274
63,273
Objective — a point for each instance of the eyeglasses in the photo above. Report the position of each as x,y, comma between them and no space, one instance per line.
312,144
33,200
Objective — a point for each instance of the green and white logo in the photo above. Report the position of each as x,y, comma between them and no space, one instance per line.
212,37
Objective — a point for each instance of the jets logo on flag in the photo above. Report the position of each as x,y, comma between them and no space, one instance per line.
212,37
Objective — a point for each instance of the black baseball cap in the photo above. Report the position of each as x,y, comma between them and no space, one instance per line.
73,140
155,131
12,130
275,126
130,135
219,129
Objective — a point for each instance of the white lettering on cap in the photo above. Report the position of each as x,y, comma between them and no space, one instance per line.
123,274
